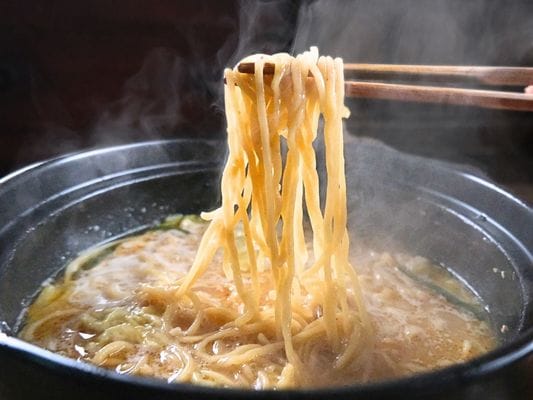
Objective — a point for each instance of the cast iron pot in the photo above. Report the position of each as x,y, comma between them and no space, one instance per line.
51,211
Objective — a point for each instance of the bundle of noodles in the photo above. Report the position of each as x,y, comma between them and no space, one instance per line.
314,296
269,310
251,299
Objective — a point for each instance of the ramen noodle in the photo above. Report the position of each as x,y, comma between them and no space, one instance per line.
264,294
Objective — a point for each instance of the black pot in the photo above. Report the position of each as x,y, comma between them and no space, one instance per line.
51,211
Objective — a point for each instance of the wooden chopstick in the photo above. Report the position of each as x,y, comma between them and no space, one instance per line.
513,76
501,76
443,95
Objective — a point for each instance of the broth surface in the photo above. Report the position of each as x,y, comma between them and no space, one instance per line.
116,307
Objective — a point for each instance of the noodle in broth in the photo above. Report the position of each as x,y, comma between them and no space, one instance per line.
254,299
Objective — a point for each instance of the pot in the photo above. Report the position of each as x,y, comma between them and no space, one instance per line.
51,211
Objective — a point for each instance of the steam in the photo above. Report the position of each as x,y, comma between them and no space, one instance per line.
151,102
177,96
476,32
181,94
264,27
173,96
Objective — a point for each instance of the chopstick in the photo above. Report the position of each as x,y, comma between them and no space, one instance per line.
502,76
512,76
432,94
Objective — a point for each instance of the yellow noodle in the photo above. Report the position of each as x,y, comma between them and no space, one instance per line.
256,306
258,192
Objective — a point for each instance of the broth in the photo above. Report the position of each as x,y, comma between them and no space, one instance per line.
116,307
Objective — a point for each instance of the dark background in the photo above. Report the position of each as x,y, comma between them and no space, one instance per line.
80,74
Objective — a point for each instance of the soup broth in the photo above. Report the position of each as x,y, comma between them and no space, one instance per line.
116,307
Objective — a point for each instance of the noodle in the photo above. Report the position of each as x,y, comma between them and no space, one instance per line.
266,198
268,310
